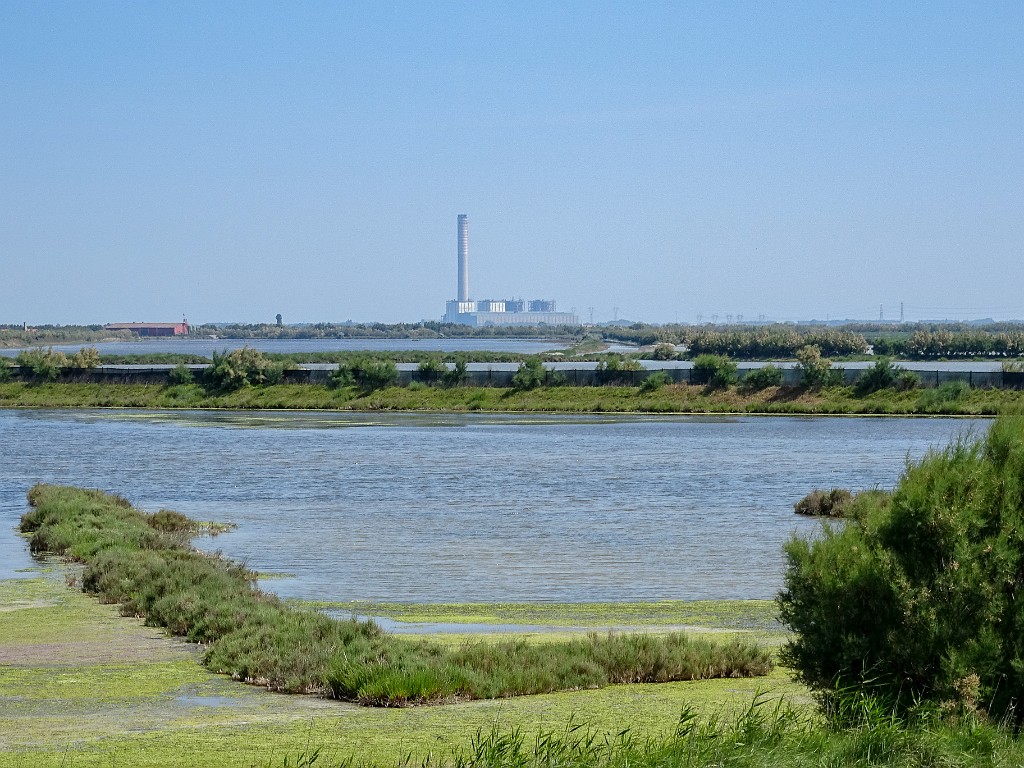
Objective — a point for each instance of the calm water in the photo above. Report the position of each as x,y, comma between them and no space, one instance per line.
206,347
472,508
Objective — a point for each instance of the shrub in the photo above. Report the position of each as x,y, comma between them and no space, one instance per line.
531,374
616,369
884,375
816,371
341,377
169,521
42,364
371,374
241,368
907,380
86,357
431,370
655,381
179,374
818,503
5,369
922,589
456,376
367,373
664,351
715,371
757,379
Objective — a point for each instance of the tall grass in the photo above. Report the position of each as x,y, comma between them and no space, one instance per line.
767,734
146,564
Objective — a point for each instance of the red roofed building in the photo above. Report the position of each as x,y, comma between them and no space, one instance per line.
151,329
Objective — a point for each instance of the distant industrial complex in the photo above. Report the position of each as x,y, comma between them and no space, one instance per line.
466,311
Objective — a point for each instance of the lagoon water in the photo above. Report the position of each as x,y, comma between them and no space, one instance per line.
453,508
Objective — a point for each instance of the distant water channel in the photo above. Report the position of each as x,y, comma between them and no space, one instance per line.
206,347
455,508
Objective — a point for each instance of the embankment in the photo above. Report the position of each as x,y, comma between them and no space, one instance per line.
672,398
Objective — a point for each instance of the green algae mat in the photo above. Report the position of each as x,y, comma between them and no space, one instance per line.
82,686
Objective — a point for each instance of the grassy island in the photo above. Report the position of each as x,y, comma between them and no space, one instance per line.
146,564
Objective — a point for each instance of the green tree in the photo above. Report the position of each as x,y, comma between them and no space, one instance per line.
919,598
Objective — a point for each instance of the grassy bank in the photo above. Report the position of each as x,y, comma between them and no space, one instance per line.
668,399
145,563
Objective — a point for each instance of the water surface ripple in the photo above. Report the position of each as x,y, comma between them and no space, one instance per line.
465,508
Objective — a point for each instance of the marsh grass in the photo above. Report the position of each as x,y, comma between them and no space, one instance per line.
819,503
767,733
671,398
145,563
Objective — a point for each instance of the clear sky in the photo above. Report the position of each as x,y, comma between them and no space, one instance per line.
229,161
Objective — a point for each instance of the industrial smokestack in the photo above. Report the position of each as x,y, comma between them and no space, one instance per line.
463,244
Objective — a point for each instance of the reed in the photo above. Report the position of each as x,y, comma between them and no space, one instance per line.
768,733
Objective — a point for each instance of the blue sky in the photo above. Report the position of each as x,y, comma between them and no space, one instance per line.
229,161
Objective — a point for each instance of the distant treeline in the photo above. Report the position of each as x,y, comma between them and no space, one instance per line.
767,342
45,335
930,345
423,330
917,342
674,333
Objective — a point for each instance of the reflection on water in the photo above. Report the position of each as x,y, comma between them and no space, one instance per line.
463,508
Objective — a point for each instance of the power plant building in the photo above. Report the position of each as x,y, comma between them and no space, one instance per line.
465,311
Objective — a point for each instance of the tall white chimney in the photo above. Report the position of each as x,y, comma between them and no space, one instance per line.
463,244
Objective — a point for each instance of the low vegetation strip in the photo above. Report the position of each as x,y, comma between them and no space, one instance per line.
146,564
670,399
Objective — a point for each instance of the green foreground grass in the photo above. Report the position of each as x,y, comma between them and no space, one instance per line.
679,398
82,686
146,564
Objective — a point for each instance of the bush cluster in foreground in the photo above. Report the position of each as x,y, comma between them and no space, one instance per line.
147,565
918,600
